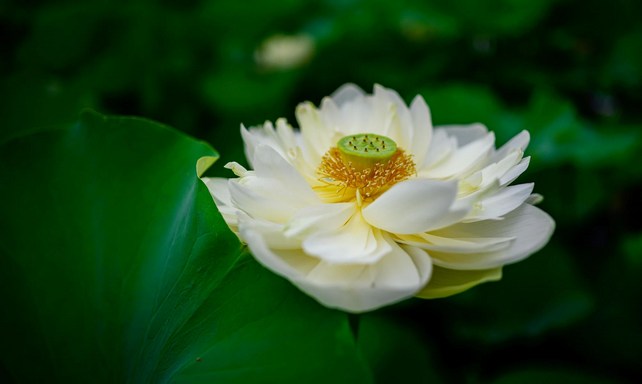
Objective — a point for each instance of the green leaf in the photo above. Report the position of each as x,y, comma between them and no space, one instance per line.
552,375
115,266
534,297
395,353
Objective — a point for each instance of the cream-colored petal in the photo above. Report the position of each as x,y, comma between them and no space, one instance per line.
353,242
530,226
398,122
316,137
350,287
275,191
251,201
411,206
346,93
463,160
422,130
282,139
460,245
406,267
273,169
354,288
495,171
320,217
498,204
291,264
218,188
441,148
447,282
517,143
272,233
465,134
514,172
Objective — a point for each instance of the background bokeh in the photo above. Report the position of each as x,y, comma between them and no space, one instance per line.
568,71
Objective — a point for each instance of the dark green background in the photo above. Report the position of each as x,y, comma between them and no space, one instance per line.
568,71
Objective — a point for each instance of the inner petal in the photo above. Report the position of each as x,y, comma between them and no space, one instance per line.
355,241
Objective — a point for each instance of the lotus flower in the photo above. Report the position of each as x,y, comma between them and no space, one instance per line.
366,204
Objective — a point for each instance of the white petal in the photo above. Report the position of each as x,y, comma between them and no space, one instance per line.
320,217
465,159
282,139
447,282
218,188
497,170
422,134
431,242
466,134
353,288
499,204
530,226
291,264
441,147
275,191
274,168
317,138
347,92
396,270
250,201
517,143
272,233
514,172
398,126
353,242
535,199
411,206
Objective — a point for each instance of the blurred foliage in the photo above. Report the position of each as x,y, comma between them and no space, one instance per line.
569,71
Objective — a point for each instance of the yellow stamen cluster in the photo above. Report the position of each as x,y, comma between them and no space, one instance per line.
346,180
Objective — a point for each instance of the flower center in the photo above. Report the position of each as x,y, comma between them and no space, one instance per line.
362,166
365,150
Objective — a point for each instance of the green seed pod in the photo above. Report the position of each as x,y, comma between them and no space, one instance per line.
364,150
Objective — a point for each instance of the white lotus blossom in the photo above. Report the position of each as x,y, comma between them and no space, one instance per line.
367,204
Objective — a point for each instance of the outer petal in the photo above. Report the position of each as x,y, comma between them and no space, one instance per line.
447,282
220,192
465,134
275,191
351,287
411,206
346,93
517,143
530,226
441,147
320,217
316,137
422,134
459,245
506,200
462,161
398,275
282,139
352,242
398,121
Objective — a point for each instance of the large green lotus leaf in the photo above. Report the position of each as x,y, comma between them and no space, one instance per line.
115,266
552,375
